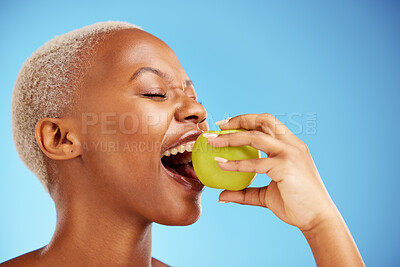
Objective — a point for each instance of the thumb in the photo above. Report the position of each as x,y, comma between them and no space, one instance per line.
254,196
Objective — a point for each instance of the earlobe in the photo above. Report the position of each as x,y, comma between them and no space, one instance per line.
56,139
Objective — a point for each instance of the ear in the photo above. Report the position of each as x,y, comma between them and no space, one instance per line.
56,139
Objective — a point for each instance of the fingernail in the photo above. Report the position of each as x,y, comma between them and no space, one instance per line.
220,159
210,135
223,121
223,201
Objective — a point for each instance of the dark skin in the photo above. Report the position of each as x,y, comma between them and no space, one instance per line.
107,199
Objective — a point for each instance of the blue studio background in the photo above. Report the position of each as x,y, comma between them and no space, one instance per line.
330,70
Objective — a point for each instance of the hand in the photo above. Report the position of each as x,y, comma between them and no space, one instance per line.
296,193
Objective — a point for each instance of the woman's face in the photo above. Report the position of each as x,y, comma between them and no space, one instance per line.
125,130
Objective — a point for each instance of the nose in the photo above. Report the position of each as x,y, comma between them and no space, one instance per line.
190,111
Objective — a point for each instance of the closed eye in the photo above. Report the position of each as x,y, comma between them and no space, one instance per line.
164,96
155,95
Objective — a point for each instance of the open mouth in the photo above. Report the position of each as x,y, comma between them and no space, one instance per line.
179,167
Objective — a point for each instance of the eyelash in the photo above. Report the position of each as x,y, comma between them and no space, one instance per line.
163,96
156,95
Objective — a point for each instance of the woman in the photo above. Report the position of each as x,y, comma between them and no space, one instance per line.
93,112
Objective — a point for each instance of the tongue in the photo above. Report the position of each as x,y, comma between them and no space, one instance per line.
185,170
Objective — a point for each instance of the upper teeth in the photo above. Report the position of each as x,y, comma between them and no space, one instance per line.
181,149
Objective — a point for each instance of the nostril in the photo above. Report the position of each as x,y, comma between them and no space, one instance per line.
192,117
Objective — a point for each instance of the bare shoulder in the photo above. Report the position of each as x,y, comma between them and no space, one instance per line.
28,259
33,259
157,263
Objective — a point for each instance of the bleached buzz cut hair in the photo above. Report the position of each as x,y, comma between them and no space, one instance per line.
47,83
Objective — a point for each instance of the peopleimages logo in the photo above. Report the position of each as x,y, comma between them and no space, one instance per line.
299,123
129,123
132,123
125,123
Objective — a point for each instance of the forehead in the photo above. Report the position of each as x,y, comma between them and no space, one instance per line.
117,59
134,48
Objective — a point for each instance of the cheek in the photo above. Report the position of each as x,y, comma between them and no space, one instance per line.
125,144
142,125
138,123
122,157
143,129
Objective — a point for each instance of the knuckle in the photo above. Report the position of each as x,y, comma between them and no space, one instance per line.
261,197
260,165
252,141
259,169
235,164
264,118
299,149
241,118
270,172
244,195
294,150
303,146
268,121
251,133
268,116
255,165
265,138
254,136
256,133
220,142
262,122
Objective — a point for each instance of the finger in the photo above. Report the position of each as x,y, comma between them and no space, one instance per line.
255,139
261,165
264,122
254,196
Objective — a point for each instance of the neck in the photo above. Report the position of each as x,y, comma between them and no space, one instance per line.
91,232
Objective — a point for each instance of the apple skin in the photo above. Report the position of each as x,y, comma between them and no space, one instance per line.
208,171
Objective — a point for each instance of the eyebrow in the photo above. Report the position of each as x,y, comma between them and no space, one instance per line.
157,72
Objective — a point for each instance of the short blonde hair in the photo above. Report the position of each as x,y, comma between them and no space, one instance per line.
47,83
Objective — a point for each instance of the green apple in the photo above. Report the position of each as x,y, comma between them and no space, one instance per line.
208,171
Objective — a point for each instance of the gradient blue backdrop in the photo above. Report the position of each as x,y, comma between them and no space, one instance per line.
337,59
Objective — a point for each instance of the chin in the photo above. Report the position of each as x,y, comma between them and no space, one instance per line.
182,215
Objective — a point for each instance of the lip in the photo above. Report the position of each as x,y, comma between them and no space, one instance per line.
184,138
188,183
